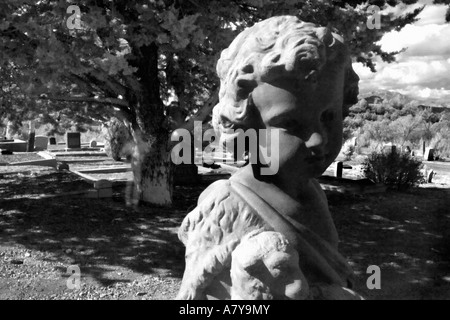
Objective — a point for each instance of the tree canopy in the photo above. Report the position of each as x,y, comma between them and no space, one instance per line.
91,59
58,66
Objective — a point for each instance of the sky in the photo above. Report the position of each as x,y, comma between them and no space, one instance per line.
423,70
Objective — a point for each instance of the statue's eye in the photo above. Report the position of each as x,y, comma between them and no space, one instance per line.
327,116
285,123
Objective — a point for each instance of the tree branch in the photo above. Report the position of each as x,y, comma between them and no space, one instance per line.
108,101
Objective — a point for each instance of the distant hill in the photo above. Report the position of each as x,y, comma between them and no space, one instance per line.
376,97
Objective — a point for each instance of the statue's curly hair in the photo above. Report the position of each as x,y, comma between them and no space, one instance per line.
276,47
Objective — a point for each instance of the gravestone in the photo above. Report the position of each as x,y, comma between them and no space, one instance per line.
338,168
31,136
389,148
73,140
429,154
92,143
430,175
185,174
40,143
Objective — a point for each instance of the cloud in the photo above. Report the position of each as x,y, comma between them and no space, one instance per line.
423,70
439,95
419,40
424,77
431,14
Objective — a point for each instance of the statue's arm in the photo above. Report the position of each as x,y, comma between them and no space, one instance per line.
206,233
210,233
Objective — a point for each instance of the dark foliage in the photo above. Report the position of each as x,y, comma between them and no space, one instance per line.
394,168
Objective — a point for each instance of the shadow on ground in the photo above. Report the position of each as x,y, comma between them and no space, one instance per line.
406,234
97,235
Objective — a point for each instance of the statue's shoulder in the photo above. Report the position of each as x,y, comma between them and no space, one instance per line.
219,189
220,211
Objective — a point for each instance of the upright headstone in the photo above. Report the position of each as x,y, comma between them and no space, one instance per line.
31,137
338,167
186,174
73,140
40,143
93,143
423,148
9,130
430,176
388,148
429,154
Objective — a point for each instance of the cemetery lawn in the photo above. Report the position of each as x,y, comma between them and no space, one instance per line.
134,253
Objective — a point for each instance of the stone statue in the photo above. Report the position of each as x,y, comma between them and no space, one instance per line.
257,236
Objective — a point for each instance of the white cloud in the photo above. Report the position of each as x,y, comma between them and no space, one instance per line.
423,70
421,78
441,95
419,40
431,14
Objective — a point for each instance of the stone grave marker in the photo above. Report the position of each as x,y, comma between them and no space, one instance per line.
186,174
338,167
73,140
430,176
40,143
429,154
388,148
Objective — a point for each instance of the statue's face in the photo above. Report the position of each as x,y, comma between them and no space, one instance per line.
309,119
276,276
285,279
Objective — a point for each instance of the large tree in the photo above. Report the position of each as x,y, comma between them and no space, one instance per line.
129,56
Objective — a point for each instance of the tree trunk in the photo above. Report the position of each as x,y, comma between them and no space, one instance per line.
151,157
152,173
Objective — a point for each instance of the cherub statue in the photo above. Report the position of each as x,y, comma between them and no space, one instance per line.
296,78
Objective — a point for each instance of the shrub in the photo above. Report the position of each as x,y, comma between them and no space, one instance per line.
441,144
118,140
394,168
348,151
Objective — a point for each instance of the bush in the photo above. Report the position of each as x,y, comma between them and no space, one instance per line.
348,151
394,168
118,140
441,144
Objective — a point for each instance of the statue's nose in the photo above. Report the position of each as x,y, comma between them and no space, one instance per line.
315,140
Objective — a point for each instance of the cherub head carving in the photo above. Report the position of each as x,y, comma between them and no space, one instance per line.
287,74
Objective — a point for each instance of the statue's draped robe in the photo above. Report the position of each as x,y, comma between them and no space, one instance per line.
228,210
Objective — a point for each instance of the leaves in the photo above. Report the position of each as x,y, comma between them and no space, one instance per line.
182,31
105,57
115,64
